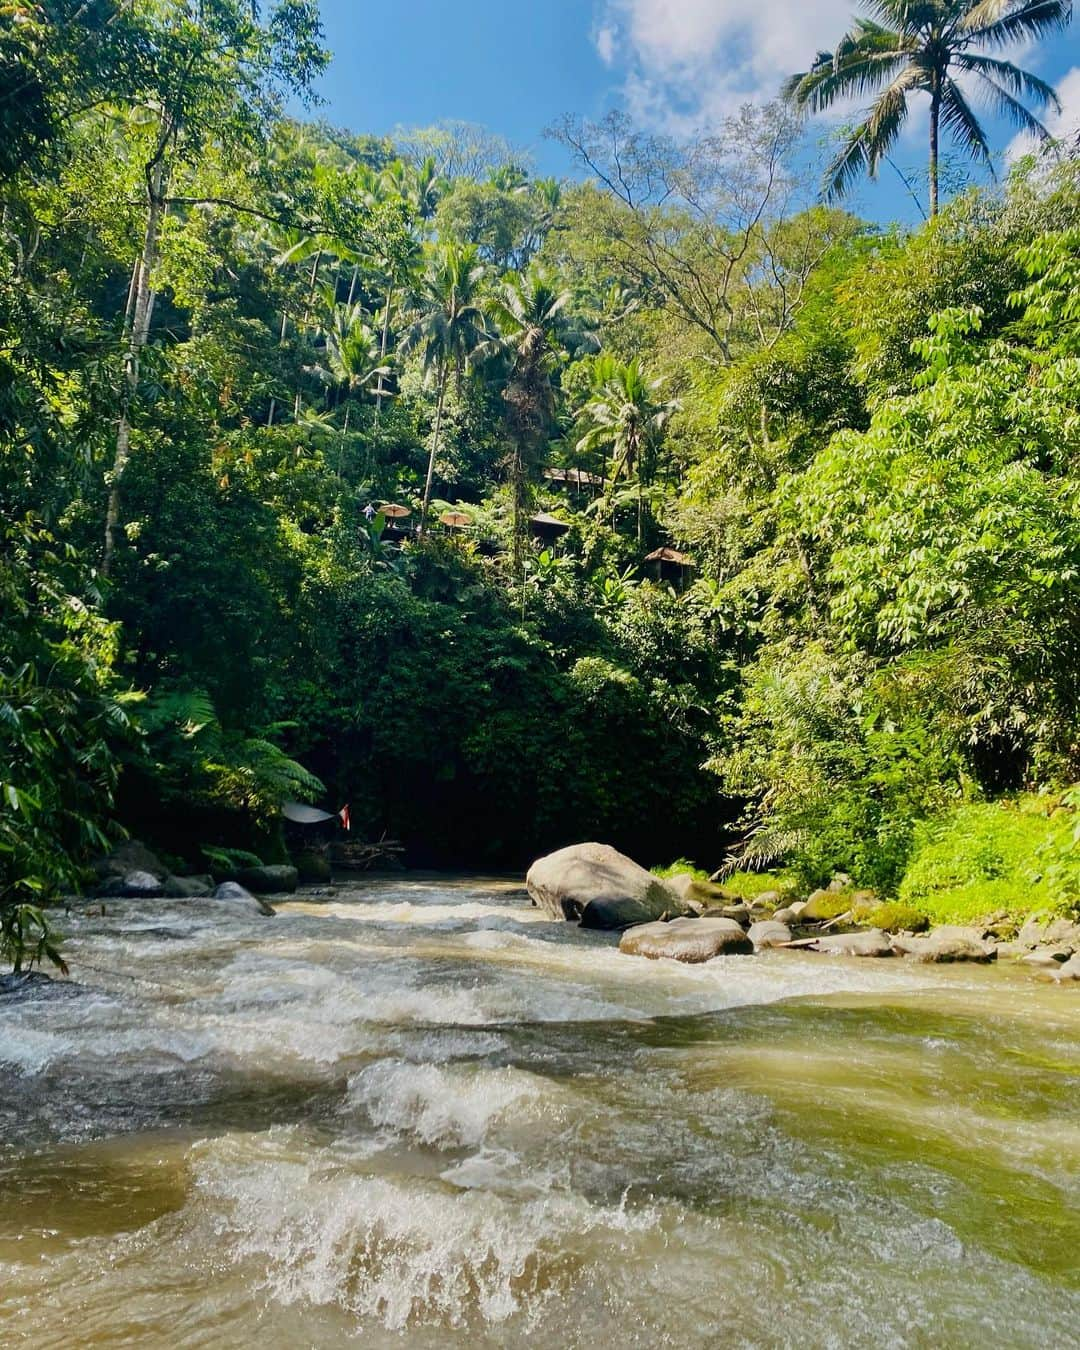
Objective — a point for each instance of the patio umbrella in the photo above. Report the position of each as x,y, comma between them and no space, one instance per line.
455,520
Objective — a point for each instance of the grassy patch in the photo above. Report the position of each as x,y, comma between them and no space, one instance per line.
747,885
982,859
678,867
891,916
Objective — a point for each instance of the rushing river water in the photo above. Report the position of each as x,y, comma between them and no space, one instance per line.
419,1114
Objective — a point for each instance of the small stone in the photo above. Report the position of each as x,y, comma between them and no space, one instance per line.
1070,970
788,915
1047,958
769,933
187,888
139,885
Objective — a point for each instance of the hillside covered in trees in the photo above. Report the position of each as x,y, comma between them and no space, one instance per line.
731,526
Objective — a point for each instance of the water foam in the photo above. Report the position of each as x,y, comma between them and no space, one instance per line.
398,1252
448,1107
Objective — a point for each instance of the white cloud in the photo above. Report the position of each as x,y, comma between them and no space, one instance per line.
690,61
605,43
1060,125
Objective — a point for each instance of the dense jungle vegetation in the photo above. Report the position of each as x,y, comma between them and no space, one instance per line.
229,337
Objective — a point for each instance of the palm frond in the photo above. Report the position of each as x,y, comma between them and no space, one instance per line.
1022,84
1004,105
1002,23
957,115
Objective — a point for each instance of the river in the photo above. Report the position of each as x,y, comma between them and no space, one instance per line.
419,1114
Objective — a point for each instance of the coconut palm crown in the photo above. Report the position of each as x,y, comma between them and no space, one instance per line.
941,48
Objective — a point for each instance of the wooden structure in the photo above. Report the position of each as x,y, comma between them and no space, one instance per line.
547,528
668,564
575,478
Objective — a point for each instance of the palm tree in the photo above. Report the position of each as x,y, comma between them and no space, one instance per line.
627,417
529,313
352,359
935,47
451,329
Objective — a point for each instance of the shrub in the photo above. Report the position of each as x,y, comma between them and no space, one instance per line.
984,858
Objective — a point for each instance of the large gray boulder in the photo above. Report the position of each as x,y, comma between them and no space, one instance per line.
600,887
871,942
269,879
130,856
955,945
690,940
236,894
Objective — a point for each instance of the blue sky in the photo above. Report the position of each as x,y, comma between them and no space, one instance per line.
517,65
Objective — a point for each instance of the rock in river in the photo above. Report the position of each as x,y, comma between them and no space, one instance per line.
187,888
130,856
872,942
133,886
691,940
600,886
1070,970
946,946
232,890
695,893
267,880
769,933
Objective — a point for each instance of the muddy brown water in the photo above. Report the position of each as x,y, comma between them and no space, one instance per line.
419,1114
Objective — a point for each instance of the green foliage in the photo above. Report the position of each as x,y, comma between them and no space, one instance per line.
680,867
231,343
27,939
748,885
985,858
63,717
891,917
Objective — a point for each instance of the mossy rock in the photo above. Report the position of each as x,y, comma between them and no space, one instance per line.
822,905
313,867
691,888
891,917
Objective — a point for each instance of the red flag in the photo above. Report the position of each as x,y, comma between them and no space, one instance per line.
344,814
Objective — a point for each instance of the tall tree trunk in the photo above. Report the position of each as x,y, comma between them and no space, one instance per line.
383,343
640,512
518,524
307,315
281,343
140,309
443,376
344,438
935,126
